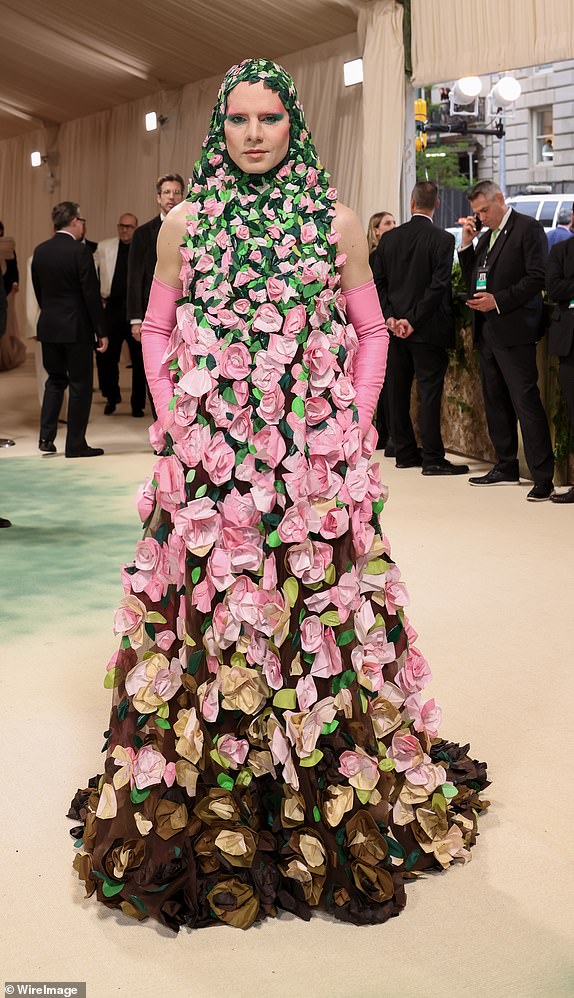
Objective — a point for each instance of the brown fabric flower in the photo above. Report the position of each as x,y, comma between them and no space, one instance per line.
234,902
124,856
169,818
364,839
218,805
376,883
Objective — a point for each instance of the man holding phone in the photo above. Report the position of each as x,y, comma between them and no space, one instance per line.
505,276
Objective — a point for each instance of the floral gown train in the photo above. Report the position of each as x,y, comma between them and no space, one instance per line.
268,746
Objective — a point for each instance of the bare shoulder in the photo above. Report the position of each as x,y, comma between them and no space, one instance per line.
348,224
171,235
352,243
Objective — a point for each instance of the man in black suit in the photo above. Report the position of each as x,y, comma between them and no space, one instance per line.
69,326
505,276
412,270
560,285
170,190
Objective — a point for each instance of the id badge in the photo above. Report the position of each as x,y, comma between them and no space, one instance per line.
481,279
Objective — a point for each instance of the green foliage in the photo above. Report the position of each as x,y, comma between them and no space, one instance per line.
443,169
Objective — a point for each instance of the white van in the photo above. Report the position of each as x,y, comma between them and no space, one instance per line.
544,207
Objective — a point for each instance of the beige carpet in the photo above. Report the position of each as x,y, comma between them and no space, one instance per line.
491,580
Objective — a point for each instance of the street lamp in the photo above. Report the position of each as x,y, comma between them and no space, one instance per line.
500,104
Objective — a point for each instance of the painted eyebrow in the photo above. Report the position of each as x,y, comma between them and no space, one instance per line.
261,114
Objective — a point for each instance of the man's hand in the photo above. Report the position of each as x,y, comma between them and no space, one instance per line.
102,344
482,301
136,331
468,232
15,288
391,323
403,329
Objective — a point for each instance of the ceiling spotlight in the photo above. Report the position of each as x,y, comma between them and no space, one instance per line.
36,158
506,92
353,72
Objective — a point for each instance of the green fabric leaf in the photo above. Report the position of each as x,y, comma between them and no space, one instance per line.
411,859
225,781
190,475
330,574
395,849
363,795
113,678
298,407
291,587
316,813
218,759
111,888
195,574
378,506
244,778
201,491
449,791
386,765
153,617
123,708
138,903
438,803
312,289
162,723
330,618
328,729
274,539
311,760
285,699
345,637
125,642
210,362
194,662
394,633
343,681
150,631
378,566
138,796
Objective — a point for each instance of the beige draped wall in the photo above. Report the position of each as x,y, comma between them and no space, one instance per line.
454,38
108,163
380,30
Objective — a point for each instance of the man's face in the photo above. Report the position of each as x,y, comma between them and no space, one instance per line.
490,211
256,128
170,195
78,227
126,227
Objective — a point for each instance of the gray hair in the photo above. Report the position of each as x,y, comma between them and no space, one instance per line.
486,187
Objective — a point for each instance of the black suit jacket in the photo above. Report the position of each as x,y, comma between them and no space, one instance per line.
560,285
412,266
141,266
66,286
516,277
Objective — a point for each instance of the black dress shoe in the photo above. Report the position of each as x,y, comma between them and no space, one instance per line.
85,452
563,497
445,467
138,413
4,522
47,446
390,449
495,477
540,492
109,408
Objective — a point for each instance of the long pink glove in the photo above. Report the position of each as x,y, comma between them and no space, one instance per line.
156,331
364,311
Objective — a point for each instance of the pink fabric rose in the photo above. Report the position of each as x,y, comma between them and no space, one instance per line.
233,751
312,634
316,410
335,523
308,232
270,446
299,521
219,459
306,692
295,321
360,769
426,717
328,661
309,561
271,408
145,500
235,362
406,750
148,768
168,473
267,319
198,523
415,673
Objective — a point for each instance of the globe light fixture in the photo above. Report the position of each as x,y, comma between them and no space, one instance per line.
466,90
505,93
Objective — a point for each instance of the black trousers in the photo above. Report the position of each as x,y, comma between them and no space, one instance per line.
71,366
566,376
117,330
509,377
428,363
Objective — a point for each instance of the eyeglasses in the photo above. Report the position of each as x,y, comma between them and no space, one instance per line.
167,193
81,219
124,225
